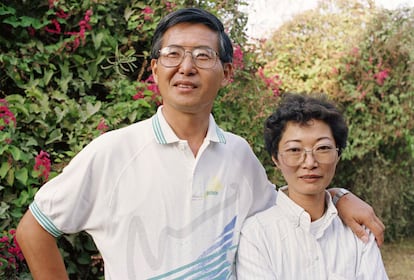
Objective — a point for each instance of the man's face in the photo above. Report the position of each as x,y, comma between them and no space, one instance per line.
187,88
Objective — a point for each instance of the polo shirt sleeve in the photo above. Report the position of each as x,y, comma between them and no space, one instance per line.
251,262
262,190
76,199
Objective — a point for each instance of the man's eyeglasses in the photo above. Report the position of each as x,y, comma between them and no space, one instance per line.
203,57
324,154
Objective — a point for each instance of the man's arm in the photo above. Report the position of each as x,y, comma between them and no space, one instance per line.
354,212
40,250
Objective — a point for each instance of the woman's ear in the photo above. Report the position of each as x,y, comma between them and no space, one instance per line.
275,161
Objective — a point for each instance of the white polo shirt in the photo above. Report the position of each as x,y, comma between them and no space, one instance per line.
282,243
153,209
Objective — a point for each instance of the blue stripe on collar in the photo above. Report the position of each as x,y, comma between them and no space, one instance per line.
156,126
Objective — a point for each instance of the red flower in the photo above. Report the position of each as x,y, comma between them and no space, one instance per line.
238,58
152,86
381,76
62,14
6,116
148,12
138,95
51,3
42,164
31,31
79,36
170,6
56,24
274,83
102,126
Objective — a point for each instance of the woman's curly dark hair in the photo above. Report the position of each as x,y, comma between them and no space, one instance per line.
300,108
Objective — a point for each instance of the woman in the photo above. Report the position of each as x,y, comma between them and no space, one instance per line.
302,237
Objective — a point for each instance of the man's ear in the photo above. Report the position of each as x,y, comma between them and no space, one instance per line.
228,73
154,69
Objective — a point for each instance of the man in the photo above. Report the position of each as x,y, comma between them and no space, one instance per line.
165,197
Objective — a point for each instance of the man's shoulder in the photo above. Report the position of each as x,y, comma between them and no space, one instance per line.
133,134
270,217
235,139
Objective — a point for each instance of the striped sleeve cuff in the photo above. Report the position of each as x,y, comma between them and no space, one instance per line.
44,221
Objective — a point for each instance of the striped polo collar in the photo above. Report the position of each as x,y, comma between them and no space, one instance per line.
165,135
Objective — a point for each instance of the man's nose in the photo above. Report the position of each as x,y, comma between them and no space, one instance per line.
187,65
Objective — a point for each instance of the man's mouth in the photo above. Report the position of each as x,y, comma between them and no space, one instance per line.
185,85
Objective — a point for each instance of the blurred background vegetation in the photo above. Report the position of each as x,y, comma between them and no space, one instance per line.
71,70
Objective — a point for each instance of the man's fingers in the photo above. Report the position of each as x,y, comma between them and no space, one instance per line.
375,225
378,229
359,231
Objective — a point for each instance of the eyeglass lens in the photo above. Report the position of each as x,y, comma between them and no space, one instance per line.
322,154
203,57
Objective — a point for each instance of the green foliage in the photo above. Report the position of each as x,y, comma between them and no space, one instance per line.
376,83
305,51
363,57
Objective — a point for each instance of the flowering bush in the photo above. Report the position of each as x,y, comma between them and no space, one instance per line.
11,257
42,164
6,116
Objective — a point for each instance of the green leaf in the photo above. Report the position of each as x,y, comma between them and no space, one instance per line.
97,40
92,109
5,166
48,75
84,258
15,152
22,175
4,207
55,136
10,177
6,10
12,21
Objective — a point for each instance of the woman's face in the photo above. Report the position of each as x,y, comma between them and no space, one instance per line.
309,176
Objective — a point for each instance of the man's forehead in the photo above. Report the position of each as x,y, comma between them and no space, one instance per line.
190,34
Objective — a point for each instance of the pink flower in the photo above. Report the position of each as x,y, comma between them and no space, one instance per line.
42,164
56,24
381,76
79,36
238,58
148,12
363,94
51,4
6,116
138,95
4,239
31,31
273,83
170,6
152,86
355,51
62,14
102,126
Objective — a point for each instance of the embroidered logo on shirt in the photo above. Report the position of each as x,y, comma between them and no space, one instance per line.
213,187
